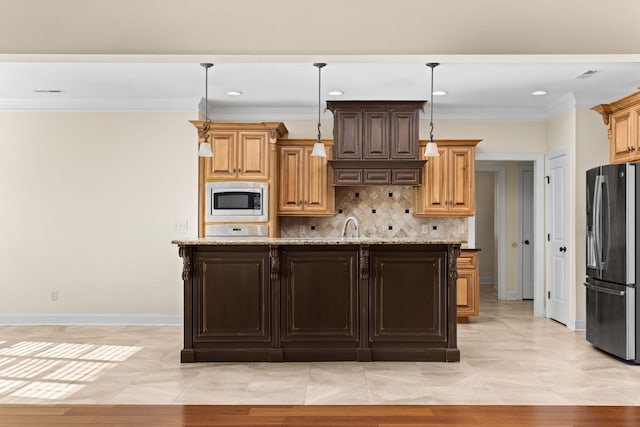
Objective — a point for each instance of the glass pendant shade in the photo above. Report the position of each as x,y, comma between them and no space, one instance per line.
431,150
318,150
205,150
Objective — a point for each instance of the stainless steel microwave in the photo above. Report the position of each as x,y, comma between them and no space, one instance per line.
236,201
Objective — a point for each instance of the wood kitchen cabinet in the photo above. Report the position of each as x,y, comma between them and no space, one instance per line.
376,142
238,156
319,299
449,181
622,118
240,150
468,286
233,295
404,286
304,182
284,300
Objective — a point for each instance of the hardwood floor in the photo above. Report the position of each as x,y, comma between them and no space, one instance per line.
292,415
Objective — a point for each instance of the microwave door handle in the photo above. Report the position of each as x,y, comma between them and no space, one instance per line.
597,204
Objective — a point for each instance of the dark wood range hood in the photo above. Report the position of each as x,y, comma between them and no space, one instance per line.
376,142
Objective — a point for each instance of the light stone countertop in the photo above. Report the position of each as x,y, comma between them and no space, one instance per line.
312,241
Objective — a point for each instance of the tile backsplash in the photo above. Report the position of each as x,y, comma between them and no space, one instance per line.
382,211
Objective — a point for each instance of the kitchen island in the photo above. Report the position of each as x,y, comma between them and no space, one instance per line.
308,299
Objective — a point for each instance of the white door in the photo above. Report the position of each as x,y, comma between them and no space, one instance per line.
557,236
526,231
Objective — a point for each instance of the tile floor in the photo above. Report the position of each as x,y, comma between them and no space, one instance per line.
508,357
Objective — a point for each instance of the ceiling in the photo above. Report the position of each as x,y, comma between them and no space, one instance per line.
289,89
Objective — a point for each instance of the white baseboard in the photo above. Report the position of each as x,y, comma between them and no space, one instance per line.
511,296
487,280
91,319
577,325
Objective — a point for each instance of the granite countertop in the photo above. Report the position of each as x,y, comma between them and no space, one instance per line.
311,241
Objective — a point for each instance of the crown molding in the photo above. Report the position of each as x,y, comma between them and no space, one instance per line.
61,104
261,114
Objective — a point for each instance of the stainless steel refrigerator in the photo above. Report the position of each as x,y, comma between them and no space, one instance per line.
612,298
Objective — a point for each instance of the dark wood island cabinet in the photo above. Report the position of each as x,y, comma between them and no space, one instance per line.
284,299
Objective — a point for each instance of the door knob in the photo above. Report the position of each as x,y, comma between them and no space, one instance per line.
526,242
563,249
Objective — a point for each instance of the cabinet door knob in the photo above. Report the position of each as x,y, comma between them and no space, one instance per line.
299,202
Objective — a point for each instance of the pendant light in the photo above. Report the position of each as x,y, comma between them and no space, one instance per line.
205,146
318,147
431,150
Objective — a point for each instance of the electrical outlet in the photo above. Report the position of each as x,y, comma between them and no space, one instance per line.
425,228
54,295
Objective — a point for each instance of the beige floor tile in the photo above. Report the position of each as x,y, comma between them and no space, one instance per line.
508,357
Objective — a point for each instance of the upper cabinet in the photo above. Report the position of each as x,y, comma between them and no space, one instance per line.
240,150
449,181
304,183
376,142
622,118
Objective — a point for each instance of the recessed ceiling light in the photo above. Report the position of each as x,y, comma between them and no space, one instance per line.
439,92
234,93
539,92
336,93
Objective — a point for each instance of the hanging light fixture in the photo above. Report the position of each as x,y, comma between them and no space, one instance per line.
205,146
318,147
431,150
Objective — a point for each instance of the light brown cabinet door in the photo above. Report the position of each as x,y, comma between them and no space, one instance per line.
621,144
448,183
468,286
304,182
635,133
434,190
223,163
317,190
253,156
290,179
461,184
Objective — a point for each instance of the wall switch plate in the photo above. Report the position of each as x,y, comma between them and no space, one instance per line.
181,225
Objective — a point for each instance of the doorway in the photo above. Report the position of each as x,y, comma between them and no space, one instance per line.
509,270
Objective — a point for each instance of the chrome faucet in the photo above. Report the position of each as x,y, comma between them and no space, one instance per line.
355,223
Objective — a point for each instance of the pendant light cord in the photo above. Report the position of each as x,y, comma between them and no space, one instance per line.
431,65
206,126
319,65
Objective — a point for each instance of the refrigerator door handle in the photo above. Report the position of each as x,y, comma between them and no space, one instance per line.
596,226
605,290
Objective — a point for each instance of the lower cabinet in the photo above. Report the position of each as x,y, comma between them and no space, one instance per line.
319,302
468,285
228,308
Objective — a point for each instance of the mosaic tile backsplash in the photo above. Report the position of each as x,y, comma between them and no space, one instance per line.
382,211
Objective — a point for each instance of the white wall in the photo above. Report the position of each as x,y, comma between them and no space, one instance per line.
88,205
592,149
